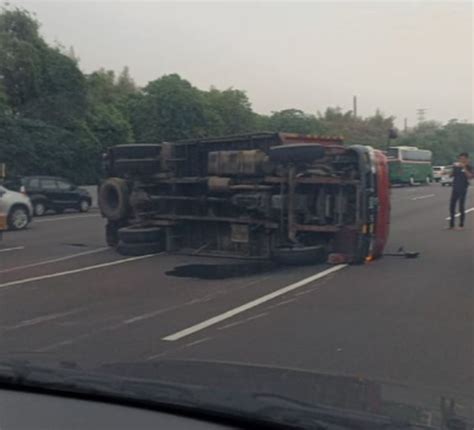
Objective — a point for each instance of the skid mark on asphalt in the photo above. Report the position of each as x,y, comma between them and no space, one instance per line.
458,214
240,322
283,303
74,271
16,248
62,218
197,342
54,260
43,319
252,304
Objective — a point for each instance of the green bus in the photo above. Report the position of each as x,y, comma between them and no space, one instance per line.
409,165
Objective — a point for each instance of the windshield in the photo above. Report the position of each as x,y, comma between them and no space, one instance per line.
202,182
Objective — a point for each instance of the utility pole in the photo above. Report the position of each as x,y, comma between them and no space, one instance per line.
405,125
420,112
354,106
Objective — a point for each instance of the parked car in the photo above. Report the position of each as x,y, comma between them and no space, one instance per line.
51,193
437,173
446,178
17,207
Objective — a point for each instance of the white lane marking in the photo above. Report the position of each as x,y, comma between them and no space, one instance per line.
16,248
45,318
61,218
71,272
427,196
458,214
54,260
229,314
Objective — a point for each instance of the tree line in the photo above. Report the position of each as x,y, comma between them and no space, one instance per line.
57,120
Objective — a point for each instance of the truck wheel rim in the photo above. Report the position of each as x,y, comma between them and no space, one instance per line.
20,219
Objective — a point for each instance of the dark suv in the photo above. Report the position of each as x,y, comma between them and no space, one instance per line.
49,192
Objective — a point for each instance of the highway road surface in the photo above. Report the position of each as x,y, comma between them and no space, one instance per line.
65,295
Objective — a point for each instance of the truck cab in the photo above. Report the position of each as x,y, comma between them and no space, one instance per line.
295,199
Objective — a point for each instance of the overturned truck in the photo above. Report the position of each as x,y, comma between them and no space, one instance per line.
292,198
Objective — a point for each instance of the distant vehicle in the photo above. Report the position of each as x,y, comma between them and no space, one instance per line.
446,178
16,207
51,193
409,165
437,173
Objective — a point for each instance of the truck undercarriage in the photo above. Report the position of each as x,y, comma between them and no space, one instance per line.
295,199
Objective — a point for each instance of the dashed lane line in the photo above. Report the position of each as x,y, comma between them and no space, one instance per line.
458,214
427,196
16,248
71,272
54,260
252,304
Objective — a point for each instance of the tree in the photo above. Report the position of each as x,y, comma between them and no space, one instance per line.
169,108
40,82
230,111
294,121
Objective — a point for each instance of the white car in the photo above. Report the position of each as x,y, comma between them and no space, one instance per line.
446,178
17,208
437,173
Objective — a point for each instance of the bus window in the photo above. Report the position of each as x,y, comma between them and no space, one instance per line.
393,153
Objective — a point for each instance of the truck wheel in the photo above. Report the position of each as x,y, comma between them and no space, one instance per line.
297,256
136,249
140,234
113,199
111,234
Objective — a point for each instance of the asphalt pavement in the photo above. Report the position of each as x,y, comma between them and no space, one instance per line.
65,295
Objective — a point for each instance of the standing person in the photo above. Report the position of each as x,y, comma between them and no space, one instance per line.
462,172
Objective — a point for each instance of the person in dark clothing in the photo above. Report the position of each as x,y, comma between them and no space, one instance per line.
462,172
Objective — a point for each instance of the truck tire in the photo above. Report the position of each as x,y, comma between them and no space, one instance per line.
114,199
136,249
140,234
294,153
298,256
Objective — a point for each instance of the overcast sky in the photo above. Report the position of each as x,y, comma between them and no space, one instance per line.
398,56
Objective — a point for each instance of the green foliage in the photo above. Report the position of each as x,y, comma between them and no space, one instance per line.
294,121
170,108
31,146
230,111
40,82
